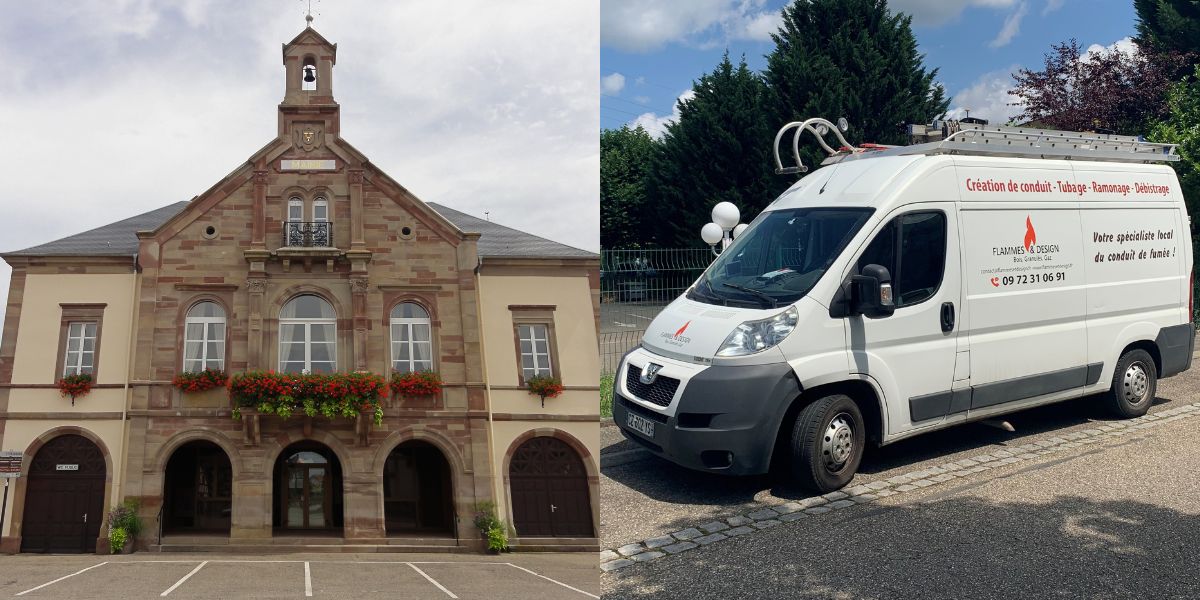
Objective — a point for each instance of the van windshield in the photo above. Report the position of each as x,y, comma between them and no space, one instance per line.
780,257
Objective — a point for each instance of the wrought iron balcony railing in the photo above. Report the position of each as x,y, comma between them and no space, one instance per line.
308,234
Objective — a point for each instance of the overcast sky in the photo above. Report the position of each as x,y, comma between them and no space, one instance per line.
112,108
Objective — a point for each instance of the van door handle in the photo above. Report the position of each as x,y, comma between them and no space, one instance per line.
947,316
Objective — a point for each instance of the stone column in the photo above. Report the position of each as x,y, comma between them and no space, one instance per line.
358,295
257,288
251,517
361,516
357,239
259,226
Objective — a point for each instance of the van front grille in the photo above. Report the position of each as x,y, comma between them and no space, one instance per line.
659,393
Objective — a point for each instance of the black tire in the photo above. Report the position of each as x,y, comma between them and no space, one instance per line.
1134,384
814,435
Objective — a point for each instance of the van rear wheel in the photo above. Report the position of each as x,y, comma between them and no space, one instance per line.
827,443
1134,384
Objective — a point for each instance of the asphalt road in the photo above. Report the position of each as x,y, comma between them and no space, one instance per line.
347,576
1113,519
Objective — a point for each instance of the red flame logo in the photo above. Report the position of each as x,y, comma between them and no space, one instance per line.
682,329
1030,234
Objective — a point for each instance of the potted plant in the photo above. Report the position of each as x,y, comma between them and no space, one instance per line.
412,384
546,386
491,529
497,538
75,385
329,395
200,381
124,525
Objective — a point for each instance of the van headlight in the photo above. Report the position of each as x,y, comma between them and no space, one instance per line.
756,336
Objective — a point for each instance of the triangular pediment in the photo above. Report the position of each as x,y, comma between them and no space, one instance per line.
310,36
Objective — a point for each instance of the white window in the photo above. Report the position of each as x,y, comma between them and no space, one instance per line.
307,336
204,338
295,212
535,350
412,338
320,210
81,348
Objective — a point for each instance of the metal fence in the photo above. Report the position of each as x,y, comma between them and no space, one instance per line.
634,286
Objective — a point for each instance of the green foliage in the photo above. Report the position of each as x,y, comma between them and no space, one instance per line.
719,150
606,394
117,537
497,538
124,524
625,156
485,515
330,395
853,59
1182,127
1168,26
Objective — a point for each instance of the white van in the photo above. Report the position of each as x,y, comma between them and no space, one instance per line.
907,289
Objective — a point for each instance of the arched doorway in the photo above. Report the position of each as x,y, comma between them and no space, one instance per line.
308,489
198,489
64,497
417,495
549,490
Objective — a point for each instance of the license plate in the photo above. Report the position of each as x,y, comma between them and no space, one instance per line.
640,424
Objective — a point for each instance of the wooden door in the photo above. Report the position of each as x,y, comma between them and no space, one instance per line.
550,495
64,497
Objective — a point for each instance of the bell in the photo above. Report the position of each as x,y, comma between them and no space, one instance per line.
310,73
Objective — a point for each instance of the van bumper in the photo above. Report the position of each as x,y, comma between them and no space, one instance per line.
724,420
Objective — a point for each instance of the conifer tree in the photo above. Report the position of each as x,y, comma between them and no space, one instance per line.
718,150
854,59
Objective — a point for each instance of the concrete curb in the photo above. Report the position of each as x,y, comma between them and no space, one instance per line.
771,515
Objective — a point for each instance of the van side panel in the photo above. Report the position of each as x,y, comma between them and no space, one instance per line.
1025,287
1137,255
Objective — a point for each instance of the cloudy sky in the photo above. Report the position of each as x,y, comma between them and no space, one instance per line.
112,108
652,50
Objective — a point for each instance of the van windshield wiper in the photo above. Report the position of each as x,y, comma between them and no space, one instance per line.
771,303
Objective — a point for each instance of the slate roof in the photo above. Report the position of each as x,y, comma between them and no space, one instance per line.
120,238
114,239
499,241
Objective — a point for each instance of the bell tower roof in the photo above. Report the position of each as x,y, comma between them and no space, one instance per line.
308,61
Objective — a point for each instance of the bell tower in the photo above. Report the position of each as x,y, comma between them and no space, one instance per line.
308,93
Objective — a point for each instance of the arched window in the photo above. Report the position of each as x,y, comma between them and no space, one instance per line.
412,338
204,337
307,336
320,210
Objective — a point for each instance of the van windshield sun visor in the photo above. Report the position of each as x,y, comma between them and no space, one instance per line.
780,257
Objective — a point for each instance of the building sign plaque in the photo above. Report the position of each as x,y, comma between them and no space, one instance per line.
10,463
67,467
307,165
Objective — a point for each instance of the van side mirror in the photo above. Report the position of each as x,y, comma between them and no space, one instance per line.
871,292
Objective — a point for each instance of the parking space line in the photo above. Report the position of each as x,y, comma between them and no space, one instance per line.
432,580
307,580
61,578
185,578
588,594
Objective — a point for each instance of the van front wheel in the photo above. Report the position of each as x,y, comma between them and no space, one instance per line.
827,443
1134,384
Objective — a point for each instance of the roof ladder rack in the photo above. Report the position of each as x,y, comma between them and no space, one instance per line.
984,140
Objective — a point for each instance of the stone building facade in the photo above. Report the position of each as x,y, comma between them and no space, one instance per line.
307,257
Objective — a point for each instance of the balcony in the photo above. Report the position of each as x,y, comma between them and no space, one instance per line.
308,234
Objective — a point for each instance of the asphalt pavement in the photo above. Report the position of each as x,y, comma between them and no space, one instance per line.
344,576
1074,504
